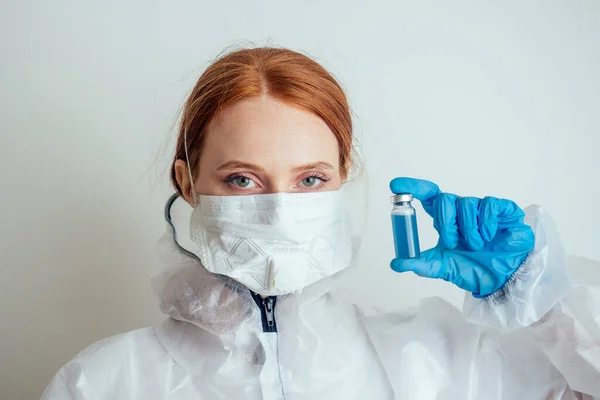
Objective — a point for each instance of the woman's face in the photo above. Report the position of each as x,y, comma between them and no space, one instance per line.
262,145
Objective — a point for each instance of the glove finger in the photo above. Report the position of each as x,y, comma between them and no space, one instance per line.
510,214
427,266
422,190
444,219
467,215
489,210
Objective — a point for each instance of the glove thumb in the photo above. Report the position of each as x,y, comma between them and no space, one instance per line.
425,266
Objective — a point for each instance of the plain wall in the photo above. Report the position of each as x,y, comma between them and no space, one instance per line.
484,98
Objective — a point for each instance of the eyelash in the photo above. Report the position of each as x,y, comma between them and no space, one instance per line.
317,175
233,177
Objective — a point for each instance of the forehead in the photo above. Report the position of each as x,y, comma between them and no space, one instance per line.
269,133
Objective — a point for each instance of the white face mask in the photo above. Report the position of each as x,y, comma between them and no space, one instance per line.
273,244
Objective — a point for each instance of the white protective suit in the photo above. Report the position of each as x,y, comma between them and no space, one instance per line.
536,338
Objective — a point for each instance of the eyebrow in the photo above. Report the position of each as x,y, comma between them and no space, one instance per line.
315,165
239,165
244,165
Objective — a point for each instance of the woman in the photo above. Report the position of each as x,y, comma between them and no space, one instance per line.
257,236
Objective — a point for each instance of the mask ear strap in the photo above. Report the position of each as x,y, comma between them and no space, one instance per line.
187,160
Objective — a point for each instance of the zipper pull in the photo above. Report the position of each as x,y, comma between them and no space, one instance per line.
269,314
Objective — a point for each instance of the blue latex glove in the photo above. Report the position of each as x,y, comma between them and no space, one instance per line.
482,241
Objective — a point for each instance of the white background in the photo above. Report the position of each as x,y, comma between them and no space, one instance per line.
500,99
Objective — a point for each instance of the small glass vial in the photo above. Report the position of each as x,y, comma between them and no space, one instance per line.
404,225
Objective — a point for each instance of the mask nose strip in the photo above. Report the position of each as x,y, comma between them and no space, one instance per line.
269,281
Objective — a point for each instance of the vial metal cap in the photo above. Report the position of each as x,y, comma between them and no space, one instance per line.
401,198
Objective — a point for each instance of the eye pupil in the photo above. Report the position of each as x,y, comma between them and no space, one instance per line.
309,181
243,181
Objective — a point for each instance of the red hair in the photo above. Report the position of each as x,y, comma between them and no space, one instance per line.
283,74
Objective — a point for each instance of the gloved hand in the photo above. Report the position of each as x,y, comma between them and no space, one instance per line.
482,241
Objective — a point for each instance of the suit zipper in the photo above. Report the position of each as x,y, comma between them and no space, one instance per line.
267,311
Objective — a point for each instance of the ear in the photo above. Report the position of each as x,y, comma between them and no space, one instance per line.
183,180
